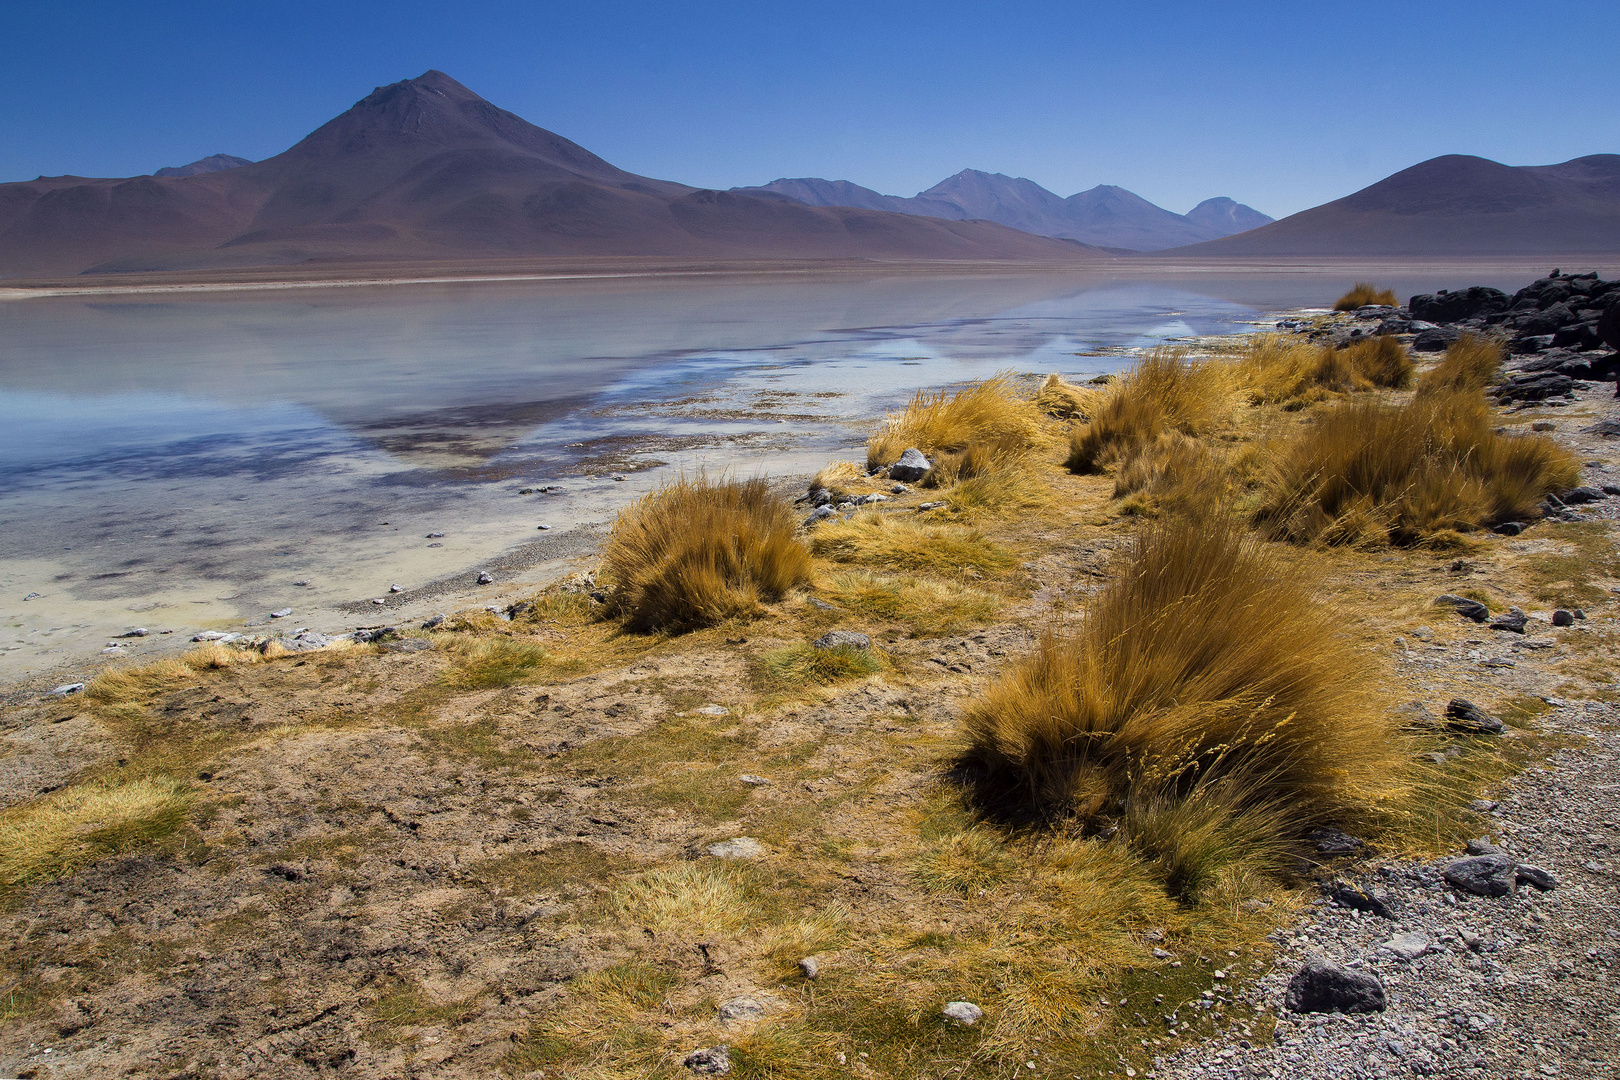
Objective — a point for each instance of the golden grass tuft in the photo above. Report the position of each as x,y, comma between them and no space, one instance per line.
1171,475
492,661
906,543
991,412
1378,472
805,665
1363,293
697,552
1382,361
1471,362
925,606
700,897
68,829
1064,400
1283,370
1164,391
1206,666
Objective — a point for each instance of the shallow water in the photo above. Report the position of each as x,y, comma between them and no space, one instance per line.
180,463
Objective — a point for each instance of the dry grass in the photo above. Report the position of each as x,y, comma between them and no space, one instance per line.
806,665
1363,293
1064,400
691,897
485,662
72,828
697,552
1470,363
1378,472
1382,361
1164,391
991,412
1204,668
1283,370
906,543
926,607
1171,475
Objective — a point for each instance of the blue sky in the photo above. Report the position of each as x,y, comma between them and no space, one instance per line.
1282,106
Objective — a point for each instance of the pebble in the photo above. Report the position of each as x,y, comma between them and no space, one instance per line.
543,528
32,596
435,536
962,1012
485,578
432,622
282,614
67,688
396,588
753,781
809,967
301,583
929,506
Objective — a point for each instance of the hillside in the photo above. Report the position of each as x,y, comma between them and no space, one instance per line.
1106,216
425,168
1455,205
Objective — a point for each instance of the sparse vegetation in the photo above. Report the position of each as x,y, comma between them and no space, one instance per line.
1373,471
1382,361
698,552
1171,475
493,661
65,830
1165,391
886,540
1064,400
1470,363
1205,667
926,606
1363,293
992,413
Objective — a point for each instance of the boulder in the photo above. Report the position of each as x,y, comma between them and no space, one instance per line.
1322,986
1468,609
1563,617
1535,386
962,1012
1578,495
1459,305
1435,340
912,466
1469,719
1483,875
1513,621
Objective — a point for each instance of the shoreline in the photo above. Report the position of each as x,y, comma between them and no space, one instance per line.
607,269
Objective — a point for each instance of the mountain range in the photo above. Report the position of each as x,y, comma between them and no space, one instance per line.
426,169
1105,216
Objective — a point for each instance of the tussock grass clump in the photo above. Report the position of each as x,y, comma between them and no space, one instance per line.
1205,666
904,543
56,835
926,606
496,661
1382,361
1171,475
1164,391
1470,363
805,665
1363,293
1376,472
991,412
697,552
1064,400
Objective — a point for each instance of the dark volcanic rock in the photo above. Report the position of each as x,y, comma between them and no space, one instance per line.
1535,386
1468,609
1321,986
1470,719
1457,306
1513,621
1483,875
1435,340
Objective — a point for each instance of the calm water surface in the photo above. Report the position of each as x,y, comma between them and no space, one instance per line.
180,463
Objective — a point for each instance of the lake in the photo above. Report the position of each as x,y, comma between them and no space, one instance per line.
183,462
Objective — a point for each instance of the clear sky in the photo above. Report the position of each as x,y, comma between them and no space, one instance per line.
1280,105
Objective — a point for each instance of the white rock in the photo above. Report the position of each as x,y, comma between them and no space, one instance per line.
1407,946
962,1012
738,847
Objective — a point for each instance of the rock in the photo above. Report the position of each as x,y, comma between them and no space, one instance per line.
868,500
305,641
1535,387
485,578
1468,609
754,781
1407,946
899,489
1578,613
741,1010
929,506
1611,489
1331,841
379,603
1351,896
136,631
810,967
543,528
1415,716
712,709
375,634
962,1012
1579,495
1535,876
1322,986
66,688
1609,429
435,536
912,466
1436,339
282,614
1509,528
1459,305
1162,953
842,639
32,596
1483,806
1513,621
738,847
1482,845
1561,617
821,513
819,604
711,1061
1482,875
1466,717
433,622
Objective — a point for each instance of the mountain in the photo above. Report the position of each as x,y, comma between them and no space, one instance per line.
1105,215
1455,205
426,169
212,163
1227,216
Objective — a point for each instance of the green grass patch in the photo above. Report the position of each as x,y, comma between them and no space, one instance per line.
484,663
806,665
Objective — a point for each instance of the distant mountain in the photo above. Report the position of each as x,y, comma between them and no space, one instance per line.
212,163
1105,215
426,169
1455,205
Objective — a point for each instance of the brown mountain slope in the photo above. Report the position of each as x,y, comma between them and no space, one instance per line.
1454,205
427,169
